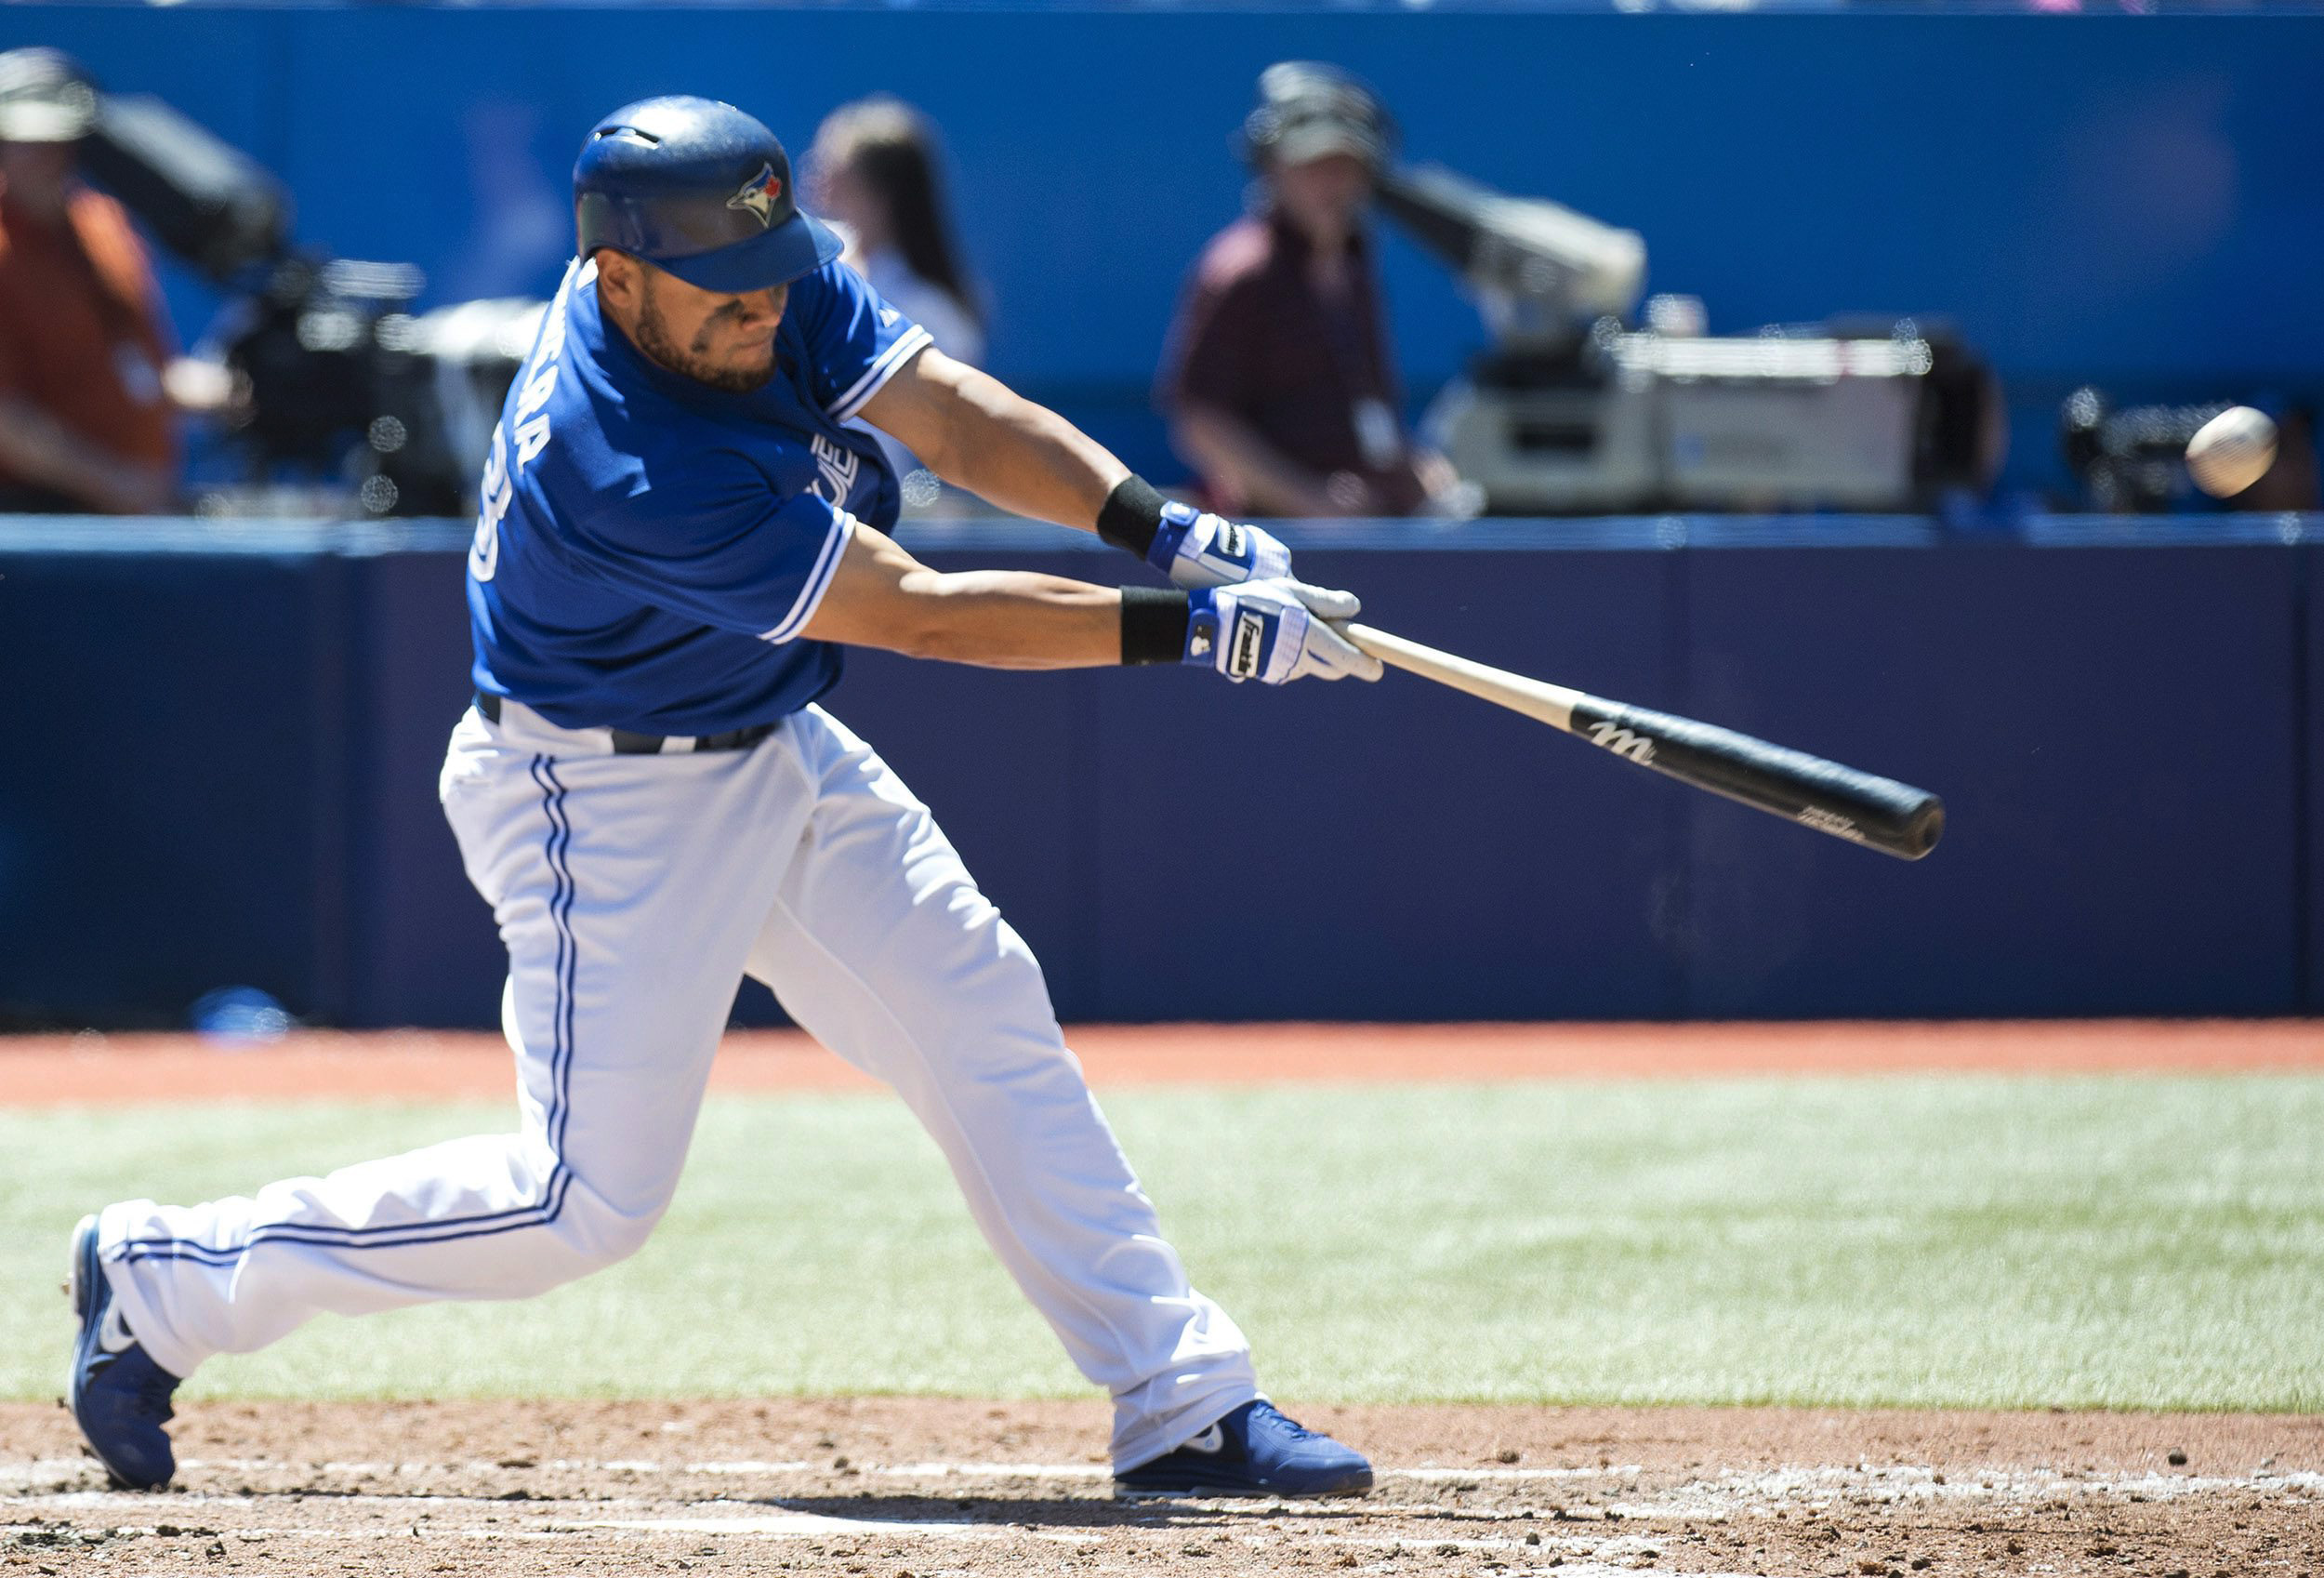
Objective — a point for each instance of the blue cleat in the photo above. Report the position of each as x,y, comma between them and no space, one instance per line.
120,1395
1253,1452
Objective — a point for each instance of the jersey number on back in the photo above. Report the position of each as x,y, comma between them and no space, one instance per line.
499,485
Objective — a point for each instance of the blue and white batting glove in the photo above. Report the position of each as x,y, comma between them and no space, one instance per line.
1195,549
1274,632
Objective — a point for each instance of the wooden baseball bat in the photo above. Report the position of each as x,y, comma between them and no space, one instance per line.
1879,813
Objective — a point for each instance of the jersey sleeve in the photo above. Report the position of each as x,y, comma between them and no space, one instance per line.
723,547
855,339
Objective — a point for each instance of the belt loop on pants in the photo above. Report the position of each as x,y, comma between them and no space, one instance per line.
626,742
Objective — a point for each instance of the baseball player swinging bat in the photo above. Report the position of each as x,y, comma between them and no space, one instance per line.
1880,813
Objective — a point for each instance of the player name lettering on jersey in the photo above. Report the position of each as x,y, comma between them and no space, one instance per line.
837,466
498,485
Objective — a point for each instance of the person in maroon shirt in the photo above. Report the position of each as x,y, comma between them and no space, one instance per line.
1278,381
86,423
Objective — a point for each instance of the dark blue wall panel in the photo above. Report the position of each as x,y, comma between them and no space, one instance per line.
167,809
421,946
2307,855
1398,852
222,770
2116,734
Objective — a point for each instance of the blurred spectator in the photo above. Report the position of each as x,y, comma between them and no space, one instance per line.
873,176
1279,382
85,419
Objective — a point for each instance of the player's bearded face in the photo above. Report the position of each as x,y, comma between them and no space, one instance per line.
726,341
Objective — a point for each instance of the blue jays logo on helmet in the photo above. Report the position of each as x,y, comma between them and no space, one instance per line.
760,195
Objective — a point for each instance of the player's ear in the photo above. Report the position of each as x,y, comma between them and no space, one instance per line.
617,276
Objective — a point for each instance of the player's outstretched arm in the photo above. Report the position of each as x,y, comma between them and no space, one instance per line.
1270,631
973,430
881,596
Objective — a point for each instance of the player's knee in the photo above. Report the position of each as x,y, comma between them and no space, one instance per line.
592,1232
603,1234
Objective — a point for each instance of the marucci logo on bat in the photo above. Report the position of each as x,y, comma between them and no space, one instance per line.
1830,822
1623,742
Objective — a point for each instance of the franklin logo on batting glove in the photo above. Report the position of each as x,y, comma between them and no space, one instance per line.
1251,635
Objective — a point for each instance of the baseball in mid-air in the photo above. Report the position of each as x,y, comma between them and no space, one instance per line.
2231,451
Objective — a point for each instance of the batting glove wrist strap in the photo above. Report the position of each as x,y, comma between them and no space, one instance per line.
1274,632
1154,625
1195,549
1132,515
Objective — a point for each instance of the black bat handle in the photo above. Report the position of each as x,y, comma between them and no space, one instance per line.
1861,807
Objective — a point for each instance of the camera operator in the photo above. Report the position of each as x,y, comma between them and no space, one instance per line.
87,409
1279,383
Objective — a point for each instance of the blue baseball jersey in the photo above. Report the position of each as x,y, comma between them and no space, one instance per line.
648,547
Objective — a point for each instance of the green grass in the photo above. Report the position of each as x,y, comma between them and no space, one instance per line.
1951,1241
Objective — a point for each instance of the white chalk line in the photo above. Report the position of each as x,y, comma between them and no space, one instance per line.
800,1525
1785,1485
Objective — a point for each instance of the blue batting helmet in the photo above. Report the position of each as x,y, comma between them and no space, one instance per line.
699,189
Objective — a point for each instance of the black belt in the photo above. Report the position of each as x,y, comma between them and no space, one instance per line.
629,744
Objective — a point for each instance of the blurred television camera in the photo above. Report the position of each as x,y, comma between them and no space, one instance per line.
352,399
1572,410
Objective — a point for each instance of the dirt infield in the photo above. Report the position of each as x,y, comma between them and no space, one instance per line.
37,1070
890,1487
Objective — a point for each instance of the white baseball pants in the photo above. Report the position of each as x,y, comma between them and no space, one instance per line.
633,893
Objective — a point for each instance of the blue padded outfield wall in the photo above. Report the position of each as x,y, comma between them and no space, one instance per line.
222,744
2126,200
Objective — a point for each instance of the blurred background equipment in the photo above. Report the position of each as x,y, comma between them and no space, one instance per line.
1572,412
352,399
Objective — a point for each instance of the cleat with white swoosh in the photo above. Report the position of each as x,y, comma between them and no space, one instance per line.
1255,1451
120,1396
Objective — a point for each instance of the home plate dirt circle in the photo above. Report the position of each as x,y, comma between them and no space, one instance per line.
887,1487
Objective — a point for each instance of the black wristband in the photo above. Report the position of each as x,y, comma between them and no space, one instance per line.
1154,625
1131,514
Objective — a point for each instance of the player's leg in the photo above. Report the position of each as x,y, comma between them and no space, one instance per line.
882,948
628,890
